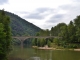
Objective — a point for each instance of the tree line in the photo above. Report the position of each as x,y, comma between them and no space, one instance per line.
69,33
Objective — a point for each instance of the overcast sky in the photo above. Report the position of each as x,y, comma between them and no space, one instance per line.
43,13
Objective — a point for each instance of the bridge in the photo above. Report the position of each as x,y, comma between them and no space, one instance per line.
23,38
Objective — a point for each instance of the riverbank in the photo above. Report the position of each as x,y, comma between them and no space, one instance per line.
46,48
43,48
76,49
50,48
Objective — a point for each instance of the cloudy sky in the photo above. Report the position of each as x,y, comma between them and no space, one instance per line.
43,13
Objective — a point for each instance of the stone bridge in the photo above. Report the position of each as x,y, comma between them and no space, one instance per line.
23,38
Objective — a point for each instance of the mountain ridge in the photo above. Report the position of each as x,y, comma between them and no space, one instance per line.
21,27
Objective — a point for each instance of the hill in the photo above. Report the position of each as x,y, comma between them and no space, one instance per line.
21,27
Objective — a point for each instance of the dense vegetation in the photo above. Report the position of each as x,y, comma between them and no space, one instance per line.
5,35
70,35
42,41
21,27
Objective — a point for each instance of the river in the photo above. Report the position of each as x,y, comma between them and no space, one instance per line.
34,54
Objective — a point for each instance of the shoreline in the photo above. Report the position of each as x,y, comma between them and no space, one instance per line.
77,49
50,48
45,48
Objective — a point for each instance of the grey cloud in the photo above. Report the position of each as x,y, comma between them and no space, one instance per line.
72,7
56,18
42,10
48,26
37,12
72,10
34,16
3,1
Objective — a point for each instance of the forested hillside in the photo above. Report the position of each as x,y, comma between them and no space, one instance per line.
21,27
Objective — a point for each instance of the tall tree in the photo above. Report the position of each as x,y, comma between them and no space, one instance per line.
64,35
5,21
57,29
71,32
77,21
2,43
77,27
78,35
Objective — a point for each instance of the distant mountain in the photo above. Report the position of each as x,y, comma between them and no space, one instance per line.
21,27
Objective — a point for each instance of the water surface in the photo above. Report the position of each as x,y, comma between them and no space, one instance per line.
34,54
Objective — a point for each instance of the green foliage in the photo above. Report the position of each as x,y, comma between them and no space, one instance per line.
78,35
57,29
5,35
77,27
56,41
72,46
77,21
44,32
19,26
2,43
49,43
70,33
41,42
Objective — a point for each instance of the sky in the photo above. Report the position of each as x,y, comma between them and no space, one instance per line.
43,13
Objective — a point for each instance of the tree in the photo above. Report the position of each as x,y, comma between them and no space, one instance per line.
77,27
64,35
71,32
49,43
2,43
57,29
78,35
5,35
56,41
52,31
77,21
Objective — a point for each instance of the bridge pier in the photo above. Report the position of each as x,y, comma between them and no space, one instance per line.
21,39
22,44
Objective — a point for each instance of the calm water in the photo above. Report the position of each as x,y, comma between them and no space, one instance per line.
33,54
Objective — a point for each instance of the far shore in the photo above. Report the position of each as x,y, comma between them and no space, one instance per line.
50,48
77,49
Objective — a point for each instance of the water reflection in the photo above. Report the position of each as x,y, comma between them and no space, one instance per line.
35,58
42,55
34,54
50,54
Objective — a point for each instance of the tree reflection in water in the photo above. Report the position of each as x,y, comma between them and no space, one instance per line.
35,58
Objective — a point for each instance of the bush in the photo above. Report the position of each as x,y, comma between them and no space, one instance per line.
72,46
